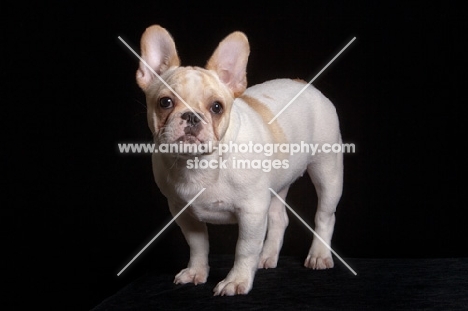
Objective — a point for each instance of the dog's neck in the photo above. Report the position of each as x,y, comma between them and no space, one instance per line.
234,125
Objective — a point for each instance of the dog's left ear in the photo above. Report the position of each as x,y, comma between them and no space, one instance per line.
230,62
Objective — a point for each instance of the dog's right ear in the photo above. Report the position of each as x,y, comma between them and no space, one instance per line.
158,52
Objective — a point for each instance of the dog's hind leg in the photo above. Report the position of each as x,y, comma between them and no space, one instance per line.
326,173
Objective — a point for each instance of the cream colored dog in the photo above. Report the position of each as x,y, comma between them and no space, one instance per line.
231,113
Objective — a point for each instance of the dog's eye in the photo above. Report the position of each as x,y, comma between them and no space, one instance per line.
166,102
216,108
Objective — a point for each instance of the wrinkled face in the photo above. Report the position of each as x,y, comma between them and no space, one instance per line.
173,121
193,105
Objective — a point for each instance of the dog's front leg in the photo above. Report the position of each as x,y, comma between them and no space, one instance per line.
252,229
196,235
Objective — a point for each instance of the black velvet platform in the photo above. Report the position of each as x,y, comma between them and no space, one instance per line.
381,284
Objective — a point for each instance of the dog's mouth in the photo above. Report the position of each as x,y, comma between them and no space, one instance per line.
189,139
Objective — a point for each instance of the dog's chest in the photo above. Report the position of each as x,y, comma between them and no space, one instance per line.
215,212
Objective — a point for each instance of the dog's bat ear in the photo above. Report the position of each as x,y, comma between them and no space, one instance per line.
158,52
229,60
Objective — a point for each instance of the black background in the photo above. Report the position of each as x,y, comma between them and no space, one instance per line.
82,210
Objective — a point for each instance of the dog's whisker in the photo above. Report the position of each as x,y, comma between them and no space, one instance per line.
141,103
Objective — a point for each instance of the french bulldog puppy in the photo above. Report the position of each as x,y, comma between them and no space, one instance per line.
195,106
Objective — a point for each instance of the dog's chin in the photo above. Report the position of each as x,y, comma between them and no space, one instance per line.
189,145
189,139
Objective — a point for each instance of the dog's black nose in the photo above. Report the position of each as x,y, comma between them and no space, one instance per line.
191,118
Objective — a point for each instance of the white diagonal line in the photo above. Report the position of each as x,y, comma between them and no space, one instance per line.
162,80
162,230
316,76
315,233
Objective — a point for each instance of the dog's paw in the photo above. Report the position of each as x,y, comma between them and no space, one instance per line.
231,287
192,275
318,262
267,262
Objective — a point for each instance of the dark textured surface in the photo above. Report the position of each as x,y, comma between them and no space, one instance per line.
391,284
